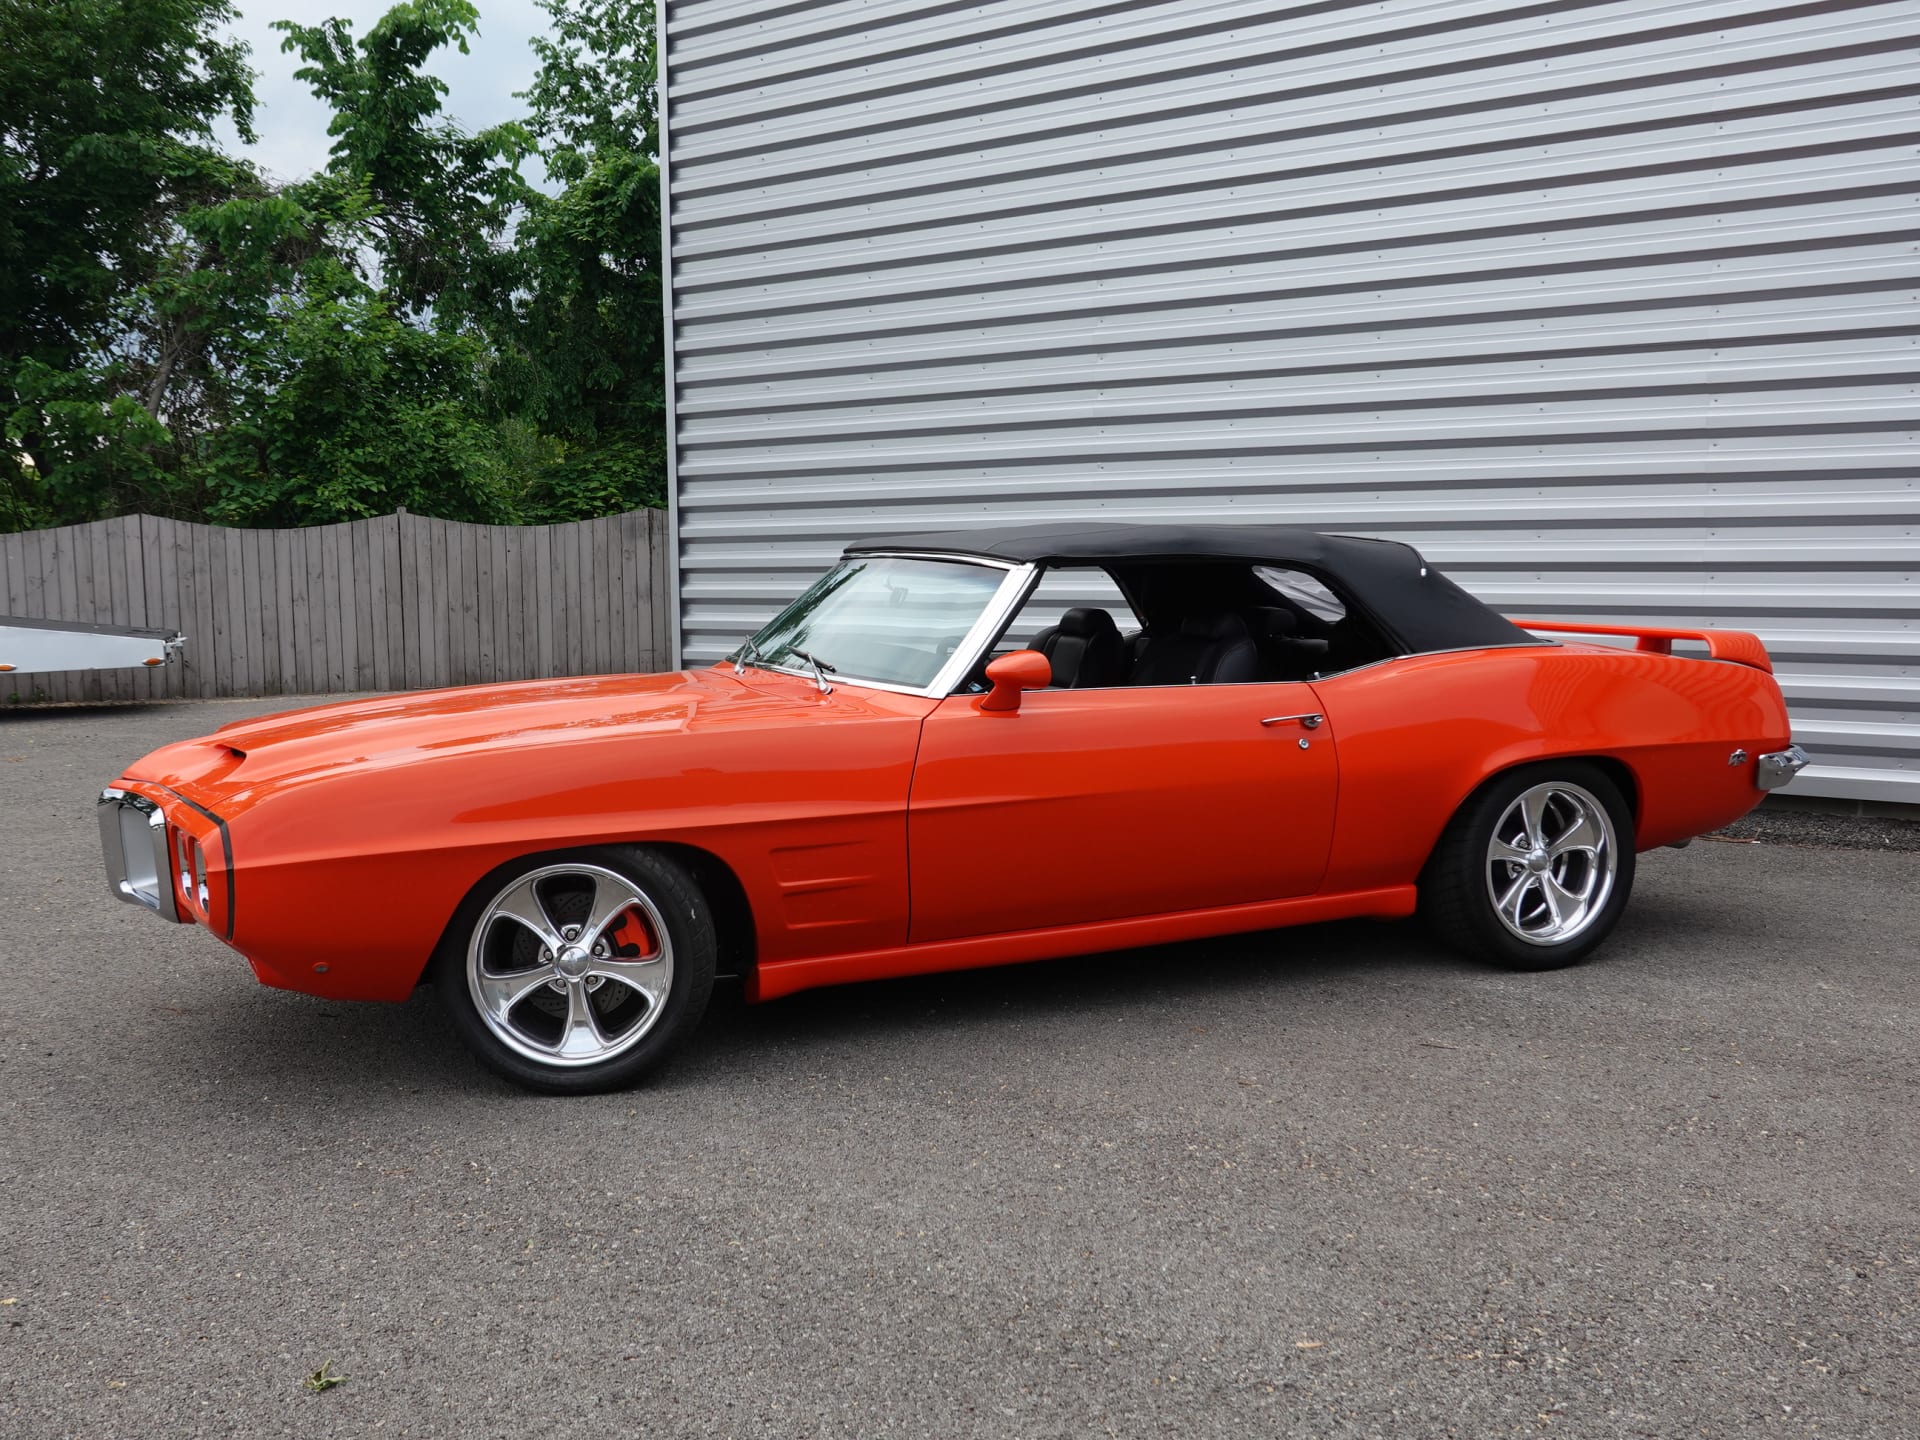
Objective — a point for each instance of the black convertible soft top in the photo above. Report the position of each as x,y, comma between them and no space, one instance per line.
1419,608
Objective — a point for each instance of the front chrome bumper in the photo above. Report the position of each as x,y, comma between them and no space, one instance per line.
133,841
1777,768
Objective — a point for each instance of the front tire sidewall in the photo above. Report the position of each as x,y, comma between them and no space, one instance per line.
1454,896
684,912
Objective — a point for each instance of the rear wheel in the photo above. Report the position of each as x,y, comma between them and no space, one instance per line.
1534,871
578,973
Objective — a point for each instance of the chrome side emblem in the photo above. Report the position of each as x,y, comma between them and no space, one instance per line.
1739,757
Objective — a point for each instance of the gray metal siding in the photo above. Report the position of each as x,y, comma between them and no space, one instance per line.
1610,308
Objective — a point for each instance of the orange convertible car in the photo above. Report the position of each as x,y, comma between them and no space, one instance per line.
1201,730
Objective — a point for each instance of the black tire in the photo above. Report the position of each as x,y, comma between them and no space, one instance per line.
1457,896
484,948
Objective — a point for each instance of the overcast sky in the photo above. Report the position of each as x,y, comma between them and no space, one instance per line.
293,125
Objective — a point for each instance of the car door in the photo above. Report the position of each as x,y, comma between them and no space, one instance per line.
1090,805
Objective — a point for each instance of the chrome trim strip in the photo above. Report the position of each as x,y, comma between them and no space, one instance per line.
999,613
1776,769
107,812
993,562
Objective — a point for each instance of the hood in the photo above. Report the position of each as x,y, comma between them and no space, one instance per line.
275,749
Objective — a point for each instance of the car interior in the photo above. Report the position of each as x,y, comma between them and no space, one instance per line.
1193,623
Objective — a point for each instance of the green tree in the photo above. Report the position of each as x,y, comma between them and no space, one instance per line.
85,451
585,358
441,200
596,90
107,110
210,302
315,400
349,411
414,325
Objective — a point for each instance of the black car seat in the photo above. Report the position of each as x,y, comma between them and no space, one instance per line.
1085,649
1201,650
1285,654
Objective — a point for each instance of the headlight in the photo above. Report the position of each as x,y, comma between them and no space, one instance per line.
191,867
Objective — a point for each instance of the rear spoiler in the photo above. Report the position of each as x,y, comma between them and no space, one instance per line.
1737,646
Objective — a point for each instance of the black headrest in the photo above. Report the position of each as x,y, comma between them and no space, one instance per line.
1087,622
1225,626
1269,622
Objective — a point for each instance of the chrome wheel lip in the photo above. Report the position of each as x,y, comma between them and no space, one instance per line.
1526,884
591,974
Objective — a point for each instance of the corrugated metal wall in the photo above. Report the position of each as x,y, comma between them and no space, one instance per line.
1610,308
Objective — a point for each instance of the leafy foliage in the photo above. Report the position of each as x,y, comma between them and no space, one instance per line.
92,445
585,356
351,412
596,91
106,120
588,358
438,198
106,126
414,325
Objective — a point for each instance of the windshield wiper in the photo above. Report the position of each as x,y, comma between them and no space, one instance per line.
820,669
748,654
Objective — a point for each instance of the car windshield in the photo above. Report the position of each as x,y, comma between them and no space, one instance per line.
881,618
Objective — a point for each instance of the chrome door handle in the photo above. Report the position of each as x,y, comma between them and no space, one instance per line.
1307,722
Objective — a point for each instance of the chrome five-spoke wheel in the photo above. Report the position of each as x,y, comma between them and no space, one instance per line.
570,965
1534,868
1551,862
581,970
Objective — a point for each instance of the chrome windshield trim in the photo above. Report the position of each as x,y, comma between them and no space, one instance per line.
993,617
997,615
990,561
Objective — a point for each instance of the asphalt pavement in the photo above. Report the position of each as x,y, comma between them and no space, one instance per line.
1329,1182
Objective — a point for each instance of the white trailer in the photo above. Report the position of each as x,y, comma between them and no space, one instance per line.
39,647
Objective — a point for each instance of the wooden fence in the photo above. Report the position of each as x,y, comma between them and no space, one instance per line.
400,602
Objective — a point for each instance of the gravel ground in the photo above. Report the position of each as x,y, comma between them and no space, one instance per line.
1834,832
1320,1183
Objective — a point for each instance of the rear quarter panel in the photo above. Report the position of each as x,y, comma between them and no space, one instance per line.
1417,736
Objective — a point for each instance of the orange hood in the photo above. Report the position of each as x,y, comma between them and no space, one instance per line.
274,750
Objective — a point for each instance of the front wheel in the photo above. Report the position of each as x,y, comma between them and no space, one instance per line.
1534,871
578,973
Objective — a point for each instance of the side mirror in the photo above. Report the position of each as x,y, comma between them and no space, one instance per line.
1010,674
